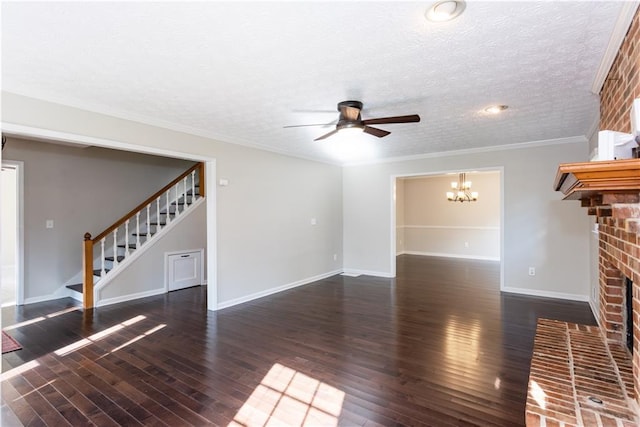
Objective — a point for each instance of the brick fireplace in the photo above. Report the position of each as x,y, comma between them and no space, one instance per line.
619,259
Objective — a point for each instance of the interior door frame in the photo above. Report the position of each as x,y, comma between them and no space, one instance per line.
18,166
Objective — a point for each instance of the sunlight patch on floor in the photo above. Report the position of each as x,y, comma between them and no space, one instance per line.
18,370
139,337
97,336
288,397
41,318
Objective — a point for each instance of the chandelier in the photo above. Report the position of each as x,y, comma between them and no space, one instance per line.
462,190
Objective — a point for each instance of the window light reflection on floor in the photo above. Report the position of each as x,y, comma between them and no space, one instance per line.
288,397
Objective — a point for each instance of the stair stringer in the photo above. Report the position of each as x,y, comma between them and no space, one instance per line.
101,284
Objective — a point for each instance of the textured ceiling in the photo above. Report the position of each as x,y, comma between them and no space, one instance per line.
240,71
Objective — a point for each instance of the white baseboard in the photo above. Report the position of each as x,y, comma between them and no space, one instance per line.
444,255
355,272
61,292
123,298
267,292
546,294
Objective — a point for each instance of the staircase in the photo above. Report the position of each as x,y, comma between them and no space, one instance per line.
119,244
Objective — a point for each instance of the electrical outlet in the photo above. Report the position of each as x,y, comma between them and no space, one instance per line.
532,271
49,223
466,244
335,257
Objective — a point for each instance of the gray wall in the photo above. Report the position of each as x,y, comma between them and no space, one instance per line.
81,190
540,230
265,236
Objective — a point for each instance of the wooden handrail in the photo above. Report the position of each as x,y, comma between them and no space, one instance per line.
122,220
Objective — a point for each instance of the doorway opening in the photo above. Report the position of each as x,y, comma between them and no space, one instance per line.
11,241
426,223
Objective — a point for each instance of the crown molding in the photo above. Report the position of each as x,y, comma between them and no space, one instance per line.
517,146
627,12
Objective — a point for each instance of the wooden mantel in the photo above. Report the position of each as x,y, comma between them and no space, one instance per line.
597,180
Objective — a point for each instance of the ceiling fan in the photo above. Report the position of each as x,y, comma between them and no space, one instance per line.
350,119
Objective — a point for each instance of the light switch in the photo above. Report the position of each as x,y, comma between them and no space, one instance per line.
49,223
313,221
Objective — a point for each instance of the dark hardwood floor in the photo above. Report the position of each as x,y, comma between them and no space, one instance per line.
439,345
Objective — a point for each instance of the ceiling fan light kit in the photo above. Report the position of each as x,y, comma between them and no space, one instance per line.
496,109
445,10
350,120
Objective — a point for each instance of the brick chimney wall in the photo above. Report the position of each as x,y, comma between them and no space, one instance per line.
622,84
619,224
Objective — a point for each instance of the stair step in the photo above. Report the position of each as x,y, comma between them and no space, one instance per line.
142,234
156,223
97,272
77,287
110,258
131,246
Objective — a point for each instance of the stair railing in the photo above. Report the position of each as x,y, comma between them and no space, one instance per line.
174,194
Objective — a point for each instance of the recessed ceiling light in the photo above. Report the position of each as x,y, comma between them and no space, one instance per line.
495,109
445,10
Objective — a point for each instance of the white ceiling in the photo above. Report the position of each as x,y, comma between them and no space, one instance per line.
240,71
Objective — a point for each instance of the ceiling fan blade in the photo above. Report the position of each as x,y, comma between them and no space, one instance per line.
375,131
397,119
327,135
350,113
314,124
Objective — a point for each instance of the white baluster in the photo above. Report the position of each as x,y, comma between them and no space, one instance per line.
184,198
157,214
167,218
126,239
148,223
177,197
137,230
102,271
115,248
193,186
